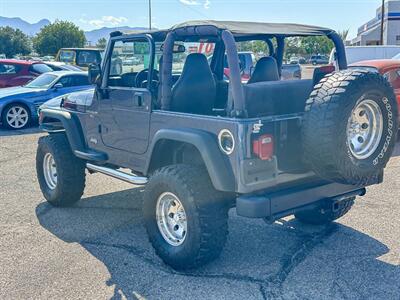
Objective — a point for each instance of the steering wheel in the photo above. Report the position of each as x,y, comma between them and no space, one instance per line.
143,75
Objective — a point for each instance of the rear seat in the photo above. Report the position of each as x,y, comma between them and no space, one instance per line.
277,97
281,97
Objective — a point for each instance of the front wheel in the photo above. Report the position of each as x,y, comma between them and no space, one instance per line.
60,173
185,217
16,116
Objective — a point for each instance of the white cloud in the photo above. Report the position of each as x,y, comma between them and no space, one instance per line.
105,21
189,2
206,4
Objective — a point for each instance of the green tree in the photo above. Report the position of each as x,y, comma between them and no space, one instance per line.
61,34
101,43
253,46
293,47
317,44
14,41
344,34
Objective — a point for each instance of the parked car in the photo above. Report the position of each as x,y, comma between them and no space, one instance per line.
81,57
60,66
131,61
319,60
389,68
246,60
361,53
302,147
291,71
18,105
294,60
19,72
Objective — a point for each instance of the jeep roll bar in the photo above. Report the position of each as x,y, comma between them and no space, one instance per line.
236,92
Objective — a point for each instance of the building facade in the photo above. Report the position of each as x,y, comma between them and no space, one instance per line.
370,32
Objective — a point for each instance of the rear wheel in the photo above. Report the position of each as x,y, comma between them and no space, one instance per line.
16,116
60,173
185,217
326,213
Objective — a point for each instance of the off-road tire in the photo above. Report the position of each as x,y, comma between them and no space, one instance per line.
206,210
324,131
325,213
70,171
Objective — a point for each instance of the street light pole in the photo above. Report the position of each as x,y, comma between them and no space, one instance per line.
382,20
150,14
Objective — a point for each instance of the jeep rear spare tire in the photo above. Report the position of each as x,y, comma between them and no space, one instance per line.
350,126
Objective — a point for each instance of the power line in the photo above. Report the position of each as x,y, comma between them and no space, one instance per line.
192,9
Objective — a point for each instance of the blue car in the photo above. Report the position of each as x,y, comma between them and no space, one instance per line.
18,105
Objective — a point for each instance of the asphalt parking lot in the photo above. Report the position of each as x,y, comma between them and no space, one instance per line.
99,249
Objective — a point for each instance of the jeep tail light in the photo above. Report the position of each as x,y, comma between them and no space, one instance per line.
327,69
263,147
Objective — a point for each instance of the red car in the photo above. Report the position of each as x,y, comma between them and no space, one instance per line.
389,68
19,72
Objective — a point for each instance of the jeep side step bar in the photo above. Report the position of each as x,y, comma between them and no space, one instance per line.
130,178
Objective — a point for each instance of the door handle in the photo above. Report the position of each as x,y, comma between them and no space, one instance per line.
138,99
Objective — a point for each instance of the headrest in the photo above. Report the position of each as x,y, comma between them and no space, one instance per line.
266,70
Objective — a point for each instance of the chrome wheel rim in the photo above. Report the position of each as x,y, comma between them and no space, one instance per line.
17,117
50,171
364,129
171,219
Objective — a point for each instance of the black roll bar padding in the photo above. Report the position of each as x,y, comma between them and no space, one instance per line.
270,47
340,50
280,49
166,72
235,82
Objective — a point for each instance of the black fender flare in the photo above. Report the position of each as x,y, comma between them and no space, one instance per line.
217,165
71,127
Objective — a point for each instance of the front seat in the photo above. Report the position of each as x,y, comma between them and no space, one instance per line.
195,91
266,70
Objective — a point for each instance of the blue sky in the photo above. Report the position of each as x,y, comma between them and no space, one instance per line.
91,14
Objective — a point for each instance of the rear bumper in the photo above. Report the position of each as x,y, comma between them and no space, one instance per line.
284,203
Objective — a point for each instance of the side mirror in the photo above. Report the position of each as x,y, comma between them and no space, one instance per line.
94,73
58,86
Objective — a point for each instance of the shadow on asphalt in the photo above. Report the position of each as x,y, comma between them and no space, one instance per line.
110,228
29,130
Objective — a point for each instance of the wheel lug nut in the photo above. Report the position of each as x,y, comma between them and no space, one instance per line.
171,215
360,139
364,126
176,227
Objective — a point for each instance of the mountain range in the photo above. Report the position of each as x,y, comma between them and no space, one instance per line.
31,29
27,28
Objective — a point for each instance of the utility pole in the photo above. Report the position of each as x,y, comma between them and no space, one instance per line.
382,20
150,14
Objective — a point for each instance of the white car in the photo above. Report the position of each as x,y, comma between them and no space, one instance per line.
360,53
